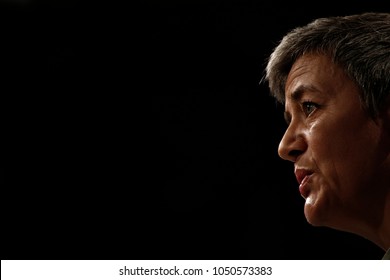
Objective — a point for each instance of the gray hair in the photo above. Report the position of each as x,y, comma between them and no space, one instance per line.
358,43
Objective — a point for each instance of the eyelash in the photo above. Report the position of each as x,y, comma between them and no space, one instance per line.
308,103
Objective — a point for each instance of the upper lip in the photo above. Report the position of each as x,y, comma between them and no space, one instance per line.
301,173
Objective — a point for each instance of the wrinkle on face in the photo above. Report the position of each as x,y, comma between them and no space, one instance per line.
339,138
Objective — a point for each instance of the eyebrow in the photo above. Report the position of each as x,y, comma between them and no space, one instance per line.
298,92
296,95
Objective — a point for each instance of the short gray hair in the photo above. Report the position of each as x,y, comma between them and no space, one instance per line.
360,44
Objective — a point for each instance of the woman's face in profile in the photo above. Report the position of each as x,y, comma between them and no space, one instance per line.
335,145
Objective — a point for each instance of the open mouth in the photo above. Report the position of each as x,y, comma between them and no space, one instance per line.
303,176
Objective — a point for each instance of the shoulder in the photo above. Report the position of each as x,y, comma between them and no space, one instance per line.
387,255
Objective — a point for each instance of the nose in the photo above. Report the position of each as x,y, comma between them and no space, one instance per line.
293,144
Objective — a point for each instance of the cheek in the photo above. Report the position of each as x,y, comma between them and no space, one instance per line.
331,150
342,133
343,151
328,142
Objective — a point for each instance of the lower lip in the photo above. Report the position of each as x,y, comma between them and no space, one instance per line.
302,187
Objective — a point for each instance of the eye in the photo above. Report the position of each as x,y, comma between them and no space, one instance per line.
308,107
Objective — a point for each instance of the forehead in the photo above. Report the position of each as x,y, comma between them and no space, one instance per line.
317,73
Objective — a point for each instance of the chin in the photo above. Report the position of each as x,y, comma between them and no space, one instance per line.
315,214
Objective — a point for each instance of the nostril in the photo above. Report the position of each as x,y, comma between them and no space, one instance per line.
294,153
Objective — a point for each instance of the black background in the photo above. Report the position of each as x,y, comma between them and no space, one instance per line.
141,131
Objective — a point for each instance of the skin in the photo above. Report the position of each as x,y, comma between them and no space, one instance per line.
347,151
